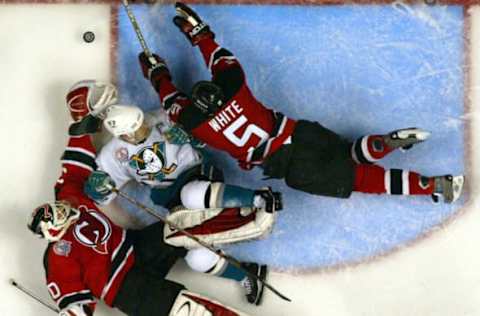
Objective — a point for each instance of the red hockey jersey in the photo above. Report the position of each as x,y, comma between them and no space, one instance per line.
94,255
243,127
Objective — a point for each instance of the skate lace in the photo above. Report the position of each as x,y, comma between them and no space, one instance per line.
247,285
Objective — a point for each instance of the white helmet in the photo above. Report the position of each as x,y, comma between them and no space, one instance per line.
123,119
51,220
90,97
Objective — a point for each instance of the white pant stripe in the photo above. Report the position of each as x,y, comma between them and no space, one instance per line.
405,183
387,182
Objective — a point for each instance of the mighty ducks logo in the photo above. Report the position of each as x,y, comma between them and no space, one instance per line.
150,162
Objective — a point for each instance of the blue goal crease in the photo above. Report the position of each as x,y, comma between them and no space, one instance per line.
357,70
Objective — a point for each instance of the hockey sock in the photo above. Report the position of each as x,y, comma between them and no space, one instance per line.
233,273
369,149
235,196
375,179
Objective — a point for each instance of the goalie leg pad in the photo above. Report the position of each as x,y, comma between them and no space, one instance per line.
191,304
206,261
218,226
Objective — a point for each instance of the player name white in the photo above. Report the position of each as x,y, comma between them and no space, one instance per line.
225,116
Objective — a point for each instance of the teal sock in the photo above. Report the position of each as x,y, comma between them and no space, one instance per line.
233,273
235,196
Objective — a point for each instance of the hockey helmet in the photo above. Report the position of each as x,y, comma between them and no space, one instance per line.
126,122
208,97
90,97
51,220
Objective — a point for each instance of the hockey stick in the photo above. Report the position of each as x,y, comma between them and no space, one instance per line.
137,30
32,295
230,259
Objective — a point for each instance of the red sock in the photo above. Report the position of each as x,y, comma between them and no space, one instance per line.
375,179
369,149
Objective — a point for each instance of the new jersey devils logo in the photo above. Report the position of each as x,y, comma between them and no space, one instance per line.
93,231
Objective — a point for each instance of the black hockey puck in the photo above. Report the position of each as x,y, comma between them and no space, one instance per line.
88,37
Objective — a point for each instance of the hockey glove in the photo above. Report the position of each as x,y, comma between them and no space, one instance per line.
87,125
177,135
99,186
191,25
155,72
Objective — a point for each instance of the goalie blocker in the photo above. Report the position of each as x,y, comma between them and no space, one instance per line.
219,226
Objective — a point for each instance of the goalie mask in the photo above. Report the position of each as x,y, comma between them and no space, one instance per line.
208,97
90,97
51,220
126,122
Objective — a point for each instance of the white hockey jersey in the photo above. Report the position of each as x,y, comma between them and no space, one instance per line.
155,162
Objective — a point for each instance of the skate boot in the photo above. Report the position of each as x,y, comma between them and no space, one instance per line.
448,186
272,201
253,287
405,138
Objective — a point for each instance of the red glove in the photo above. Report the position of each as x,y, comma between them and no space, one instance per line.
191,25
154,69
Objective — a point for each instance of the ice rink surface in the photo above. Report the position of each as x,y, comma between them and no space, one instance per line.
363,68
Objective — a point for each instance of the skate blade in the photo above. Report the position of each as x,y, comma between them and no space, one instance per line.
457,183
417,133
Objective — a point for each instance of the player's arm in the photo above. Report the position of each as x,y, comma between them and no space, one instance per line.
224,66
110,172
78,161
64,282
176,103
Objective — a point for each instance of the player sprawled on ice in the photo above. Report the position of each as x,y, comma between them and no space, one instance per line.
177,173
224,114
90,258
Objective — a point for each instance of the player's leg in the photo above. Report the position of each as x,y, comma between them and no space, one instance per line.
141,294
200,194
204,260
319,162
144,294
371,178
152,254
371,148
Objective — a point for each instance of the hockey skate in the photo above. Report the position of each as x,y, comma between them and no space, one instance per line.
273,200
405,138
253,287
448,186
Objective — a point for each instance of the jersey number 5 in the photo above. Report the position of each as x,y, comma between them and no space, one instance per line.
251,129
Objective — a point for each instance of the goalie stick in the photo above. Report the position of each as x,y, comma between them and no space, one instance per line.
32,295
230,259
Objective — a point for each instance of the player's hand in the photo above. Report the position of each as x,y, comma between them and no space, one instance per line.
190,24
154,68
176,135
99,185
